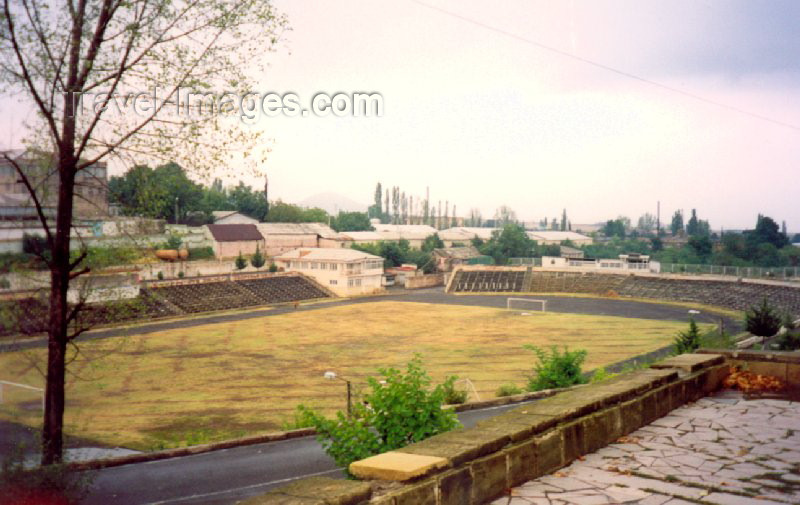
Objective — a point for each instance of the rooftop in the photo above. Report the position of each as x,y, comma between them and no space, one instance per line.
458,252
326,254
557,235
323,230
234,232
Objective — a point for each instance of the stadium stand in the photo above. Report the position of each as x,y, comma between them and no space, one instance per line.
733,295
169,298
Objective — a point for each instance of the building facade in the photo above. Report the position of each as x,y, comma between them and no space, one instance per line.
90,200
346,272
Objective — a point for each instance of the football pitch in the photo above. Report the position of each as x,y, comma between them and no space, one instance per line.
223,380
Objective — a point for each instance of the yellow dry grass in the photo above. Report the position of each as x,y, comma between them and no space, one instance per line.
229,379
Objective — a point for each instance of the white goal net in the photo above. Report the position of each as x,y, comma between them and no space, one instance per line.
526,304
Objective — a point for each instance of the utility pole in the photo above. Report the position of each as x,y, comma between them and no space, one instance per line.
658,218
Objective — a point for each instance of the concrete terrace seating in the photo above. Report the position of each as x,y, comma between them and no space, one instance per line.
733,295
488,281
226,295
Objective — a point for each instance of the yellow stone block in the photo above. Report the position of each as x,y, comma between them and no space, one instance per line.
398,466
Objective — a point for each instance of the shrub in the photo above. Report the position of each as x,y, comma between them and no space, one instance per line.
688,341
258,259
200,253
601,374
398,412
273,267
789,341
300,419
4,283
173,242
240,262
181,274
51,484
160,276
762,320
35,245
556,369
508,390
453,396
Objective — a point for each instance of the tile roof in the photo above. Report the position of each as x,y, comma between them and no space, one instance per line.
326,254
234,232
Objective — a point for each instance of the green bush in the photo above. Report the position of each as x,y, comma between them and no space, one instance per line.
789,341
160,276
173,242
508,390
762,320
601,374
181,274
301,418
240,262
273,267
556,369
200,253
258,259
51,484
688,341
453,396
4,283
400,410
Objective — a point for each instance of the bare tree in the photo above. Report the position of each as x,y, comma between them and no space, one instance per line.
84,65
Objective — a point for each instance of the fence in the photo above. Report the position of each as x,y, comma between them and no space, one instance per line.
776,273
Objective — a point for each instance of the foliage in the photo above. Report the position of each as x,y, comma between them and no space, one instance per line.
688,341
398,412
789,340
52,484
173,242
398,253
273,267
280,212
4,283
181,275
508,390
676,226
453,396
35,245
556,369
258,259
240,262
614,228
351,221
300,419
200,253
601,374
510,242
762,320
432,242
160,276
103,257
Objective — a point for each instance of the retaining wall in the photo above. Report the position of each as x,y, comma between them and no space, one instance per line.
474,466
424,281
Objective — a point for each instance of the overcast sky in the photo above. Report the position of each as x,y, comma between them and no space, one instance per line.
485,118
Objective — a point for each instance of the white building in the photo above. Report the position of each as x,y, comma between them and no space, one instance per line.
626,263
232,217
346,271
556,237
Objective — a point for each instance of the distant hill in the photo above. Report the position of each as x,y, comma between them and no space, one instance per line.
332,203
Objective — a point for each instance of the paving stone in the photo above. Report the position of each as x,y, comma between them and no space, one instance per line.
733,499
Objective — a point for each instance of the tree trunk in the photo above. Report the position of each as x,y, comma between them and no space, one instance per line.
52,428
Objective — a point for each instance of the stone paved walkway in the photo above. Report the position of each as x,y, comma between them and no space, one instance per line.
723,450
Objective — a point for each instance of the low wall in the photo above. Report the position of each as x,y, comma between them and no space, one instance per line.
474,466
424,281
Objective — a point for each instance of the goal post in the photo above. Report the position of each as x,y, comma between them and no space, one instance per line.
526,304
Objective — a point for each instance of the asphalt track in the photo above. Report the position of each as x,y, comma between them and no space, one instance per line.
229,475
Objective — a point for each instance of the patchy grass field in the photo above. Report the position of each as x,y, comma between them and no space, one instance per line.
223,380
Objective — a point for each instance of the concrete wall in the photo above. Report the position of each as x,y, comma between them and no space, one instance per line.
424,281
476,465
233,249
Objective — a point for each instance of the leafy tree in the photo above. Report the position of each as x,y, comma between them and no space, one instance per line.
51,60
702,246
614,228
646,223
240,262
556,369
766,231
688,341
564,220
504,215
248,202
692,225
510,242
375,210
677,223
257,260
432,242
762,320
400,409
351,221
656,244
280,212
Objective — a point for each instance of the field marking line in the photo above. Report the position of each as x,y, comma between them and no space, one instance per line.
204,495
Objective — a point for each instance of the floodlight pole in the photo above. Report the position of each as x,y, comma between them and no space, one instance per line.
333,375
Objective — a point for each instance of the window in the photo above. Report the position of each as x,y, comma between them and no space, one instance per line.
353,282
314,265
334,282
334,266
305,265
